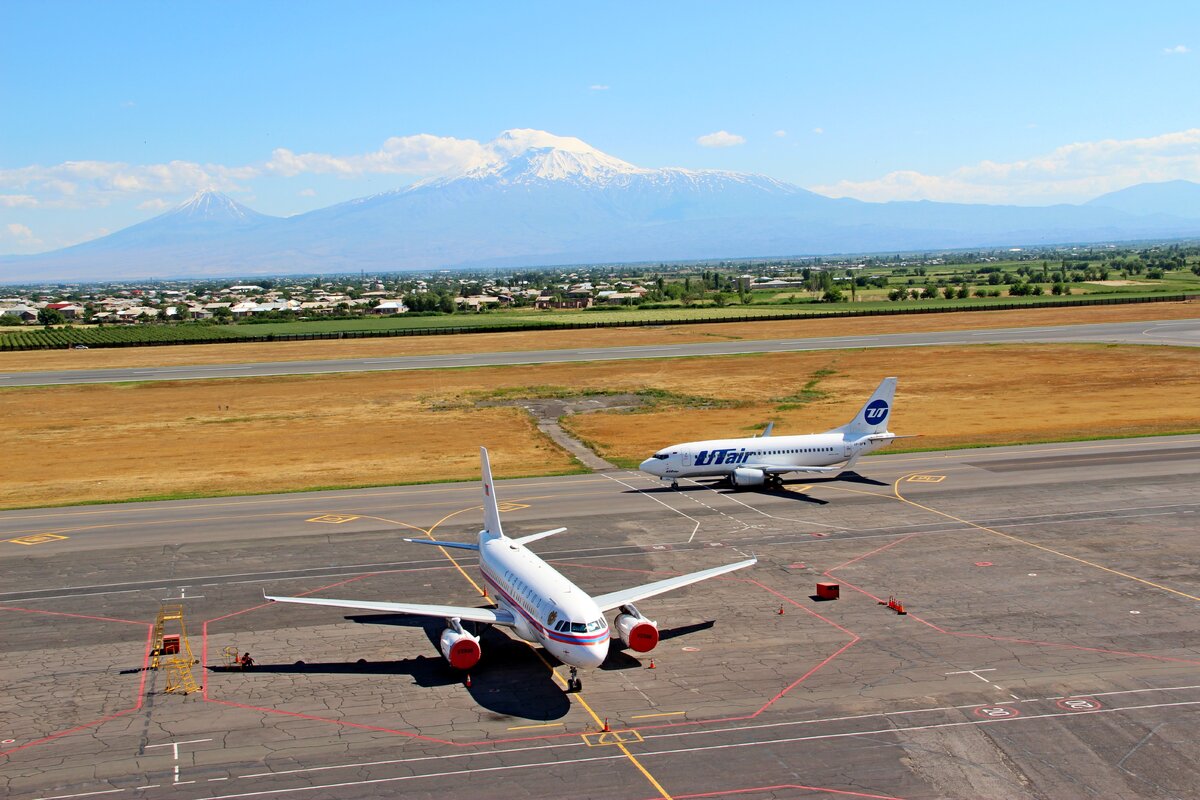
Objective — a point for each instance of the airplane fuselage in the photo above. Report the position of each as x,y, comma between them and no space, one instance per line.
720,457
549,609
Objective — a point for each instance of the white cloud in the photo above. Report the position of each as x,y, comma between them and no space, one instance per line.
18,231
18,238
83,184
720,139
154,204
308,192
598,87
780,134
818,131
1177,50
18,201
1070,173
422,154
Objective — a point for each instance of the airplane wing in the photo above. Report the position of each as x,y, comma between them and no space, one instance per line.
489,615
608,602
781,469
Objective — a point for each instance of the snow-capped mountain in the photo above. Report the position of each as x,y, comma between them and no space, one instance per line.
536,198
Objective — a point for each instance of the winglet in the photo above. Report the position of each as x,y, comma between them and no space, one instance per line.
491,512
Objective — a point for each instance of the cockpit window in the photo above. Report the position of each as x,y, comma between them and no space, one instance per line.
596,626
578,627
661,456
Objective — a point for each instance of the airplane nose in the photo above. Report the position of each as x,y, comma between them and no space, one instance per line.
596,654
651,465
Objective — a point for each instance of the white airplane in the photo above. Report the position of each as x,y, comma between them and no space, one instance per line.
765,459
534,599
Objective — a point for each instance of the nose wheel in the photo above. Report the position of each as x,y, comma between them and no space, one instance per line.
574,683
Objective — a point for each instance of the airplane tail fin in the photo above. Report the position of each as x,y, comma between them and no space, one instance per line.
873,417
491,512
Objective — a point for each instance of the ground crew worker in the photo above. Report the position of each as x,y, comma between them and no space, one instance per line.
246,661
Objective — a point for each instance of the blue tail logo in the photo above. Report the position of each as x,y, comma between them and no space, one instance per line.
875,413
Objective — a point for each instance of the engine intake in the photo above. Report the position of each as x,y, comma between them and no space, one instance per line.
744,476
637,632
460,648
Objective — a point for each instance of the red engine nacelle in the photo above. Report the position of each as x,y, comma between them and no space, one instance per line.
460,648
638,633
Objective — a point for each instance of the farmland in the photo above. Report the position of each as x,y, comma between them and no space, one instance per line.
89,443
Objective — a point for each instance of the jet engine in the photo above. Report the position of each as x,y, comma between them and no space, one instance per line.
745,476
636,631
460,648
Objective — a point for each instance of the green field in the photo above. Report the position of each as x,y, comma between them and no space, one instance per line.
520,319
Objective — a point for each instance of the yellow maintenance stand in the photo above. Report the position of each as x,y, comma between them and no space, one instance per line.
172,650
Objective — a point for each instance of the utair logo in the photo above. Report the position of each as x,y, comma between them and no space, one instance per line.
876,412
723,456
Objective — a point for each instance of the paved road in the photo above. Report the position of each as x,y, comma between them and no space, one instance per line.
1051,646
1169,332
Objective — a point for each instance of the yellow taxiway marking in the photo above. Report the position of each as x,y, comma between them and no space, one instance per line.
531,727
1018,539
663,714
541,656
334,519
511,506
925,478
38,538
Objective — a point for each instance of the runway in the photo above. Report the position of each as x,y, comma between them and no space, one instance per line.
1184,333
1051,646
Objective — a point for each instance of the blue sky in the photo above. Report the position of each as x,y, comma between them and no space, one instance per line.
115,111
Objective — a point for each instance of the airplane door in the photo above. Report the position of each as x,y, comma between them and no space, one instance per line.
687,458
847,450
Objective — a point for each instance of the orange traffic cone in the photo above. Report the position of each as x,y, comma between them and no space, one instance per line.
651,664
781,609
468,682
606,728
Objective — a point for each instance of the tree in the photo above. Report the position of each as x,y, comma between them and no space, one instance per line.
50,316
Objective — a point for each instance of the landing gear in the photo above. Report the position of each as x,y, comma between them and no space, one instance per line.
674,484
575,683
775,481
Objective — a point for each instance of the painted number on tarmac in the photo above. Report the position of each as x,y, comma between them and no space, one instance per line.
1078,704
38,538
926,478
996,712
334,519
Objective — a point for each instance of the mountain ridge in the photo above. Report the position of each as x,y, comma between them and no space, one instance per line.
539,199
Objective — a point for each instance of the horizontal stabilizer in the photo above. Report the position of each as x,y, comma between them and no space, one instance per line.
459,545
533,537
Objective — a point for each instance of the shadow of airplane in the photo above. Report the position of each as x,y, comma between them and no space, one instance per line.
622,658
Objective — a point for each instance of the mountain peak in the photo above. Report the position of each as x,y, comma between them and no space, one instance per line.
210,205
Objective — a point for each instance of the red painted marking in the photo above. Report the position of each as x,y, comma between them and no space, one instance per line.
796,566
1078,704
782,786
819,534
984,564
94,723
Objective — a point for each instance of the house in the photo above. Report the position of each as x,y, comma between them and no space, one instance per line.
68,310
390,307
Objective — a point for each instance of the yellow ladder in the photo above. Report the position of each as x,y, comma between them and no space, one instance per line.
178,662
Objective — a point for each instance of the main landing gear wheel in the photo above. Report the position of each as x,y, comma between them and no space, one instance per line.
674,484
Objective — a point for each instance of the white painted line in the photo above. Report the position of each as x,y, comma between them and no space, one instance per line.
85,794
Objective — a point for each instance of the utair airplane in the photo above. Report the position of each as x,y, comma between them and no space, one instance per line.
534,599
766,459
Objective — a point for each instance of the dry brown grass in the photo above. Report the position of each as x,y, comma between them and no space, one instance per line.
193,355
101,442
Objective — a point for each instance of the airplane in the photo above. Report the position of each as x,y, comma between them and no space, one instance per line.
537,601
764,459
